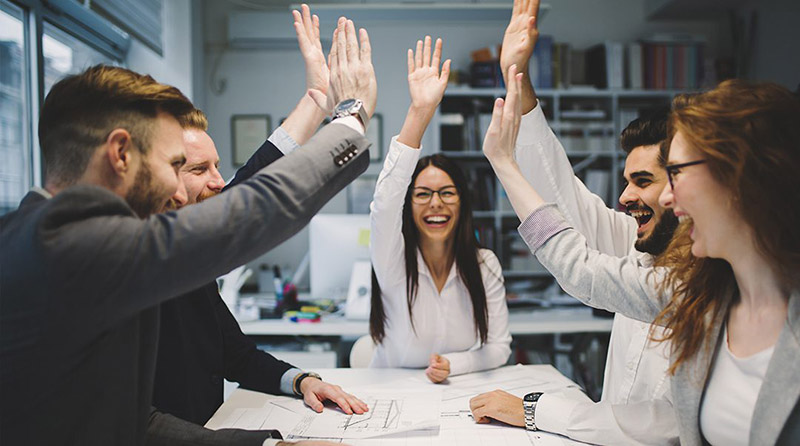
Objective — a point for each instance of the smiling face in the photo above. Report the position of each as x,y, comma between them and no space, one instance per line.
700,200
200,173
436,221
645,180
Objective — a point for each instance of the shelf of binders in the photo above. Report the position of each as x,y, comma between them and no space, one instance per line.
587,121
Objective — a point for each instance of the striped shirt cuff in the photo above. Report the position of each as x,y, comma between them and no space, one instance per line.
543,223
281,139
287,380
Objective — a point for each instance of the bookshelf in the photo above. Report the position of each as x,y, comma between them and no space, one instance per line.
587,121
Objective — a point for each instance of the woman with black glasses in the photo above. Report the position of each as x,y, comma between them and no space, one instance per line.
438,299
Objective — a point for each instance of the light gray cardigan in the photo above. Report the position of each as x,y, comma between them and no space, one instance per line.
622,284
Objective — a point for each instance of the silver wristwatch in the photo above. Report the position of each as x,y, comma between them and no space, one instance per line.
351,107
529,404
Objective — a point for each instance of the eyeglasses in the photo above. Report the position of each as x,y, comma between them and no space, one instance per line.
423,195
674,169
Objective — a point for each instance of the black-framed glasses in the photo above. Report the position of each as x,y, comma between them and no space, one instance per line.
674,169
423,195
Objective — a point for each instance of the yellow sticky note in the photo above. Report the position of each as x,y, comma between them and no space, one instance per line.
363,237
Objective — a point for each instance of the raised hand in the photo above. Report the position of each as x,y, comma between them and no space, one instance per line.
520,37
352,74
307,28
501,137
518,43
425,83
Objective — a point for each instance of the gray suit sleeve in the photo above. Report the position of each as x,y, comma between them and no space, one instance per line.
135,264
167,430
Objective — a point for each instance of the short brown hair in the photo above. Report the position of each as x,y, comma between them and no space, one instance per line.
196,120
82,109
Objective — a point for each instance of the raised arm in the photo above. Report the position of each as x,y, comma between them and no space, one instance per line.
540,155
426,85
613,283
519,41
306,117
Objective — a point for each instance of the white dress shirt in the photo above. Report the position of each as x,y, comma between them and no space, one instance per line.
636,404
443,321
726,416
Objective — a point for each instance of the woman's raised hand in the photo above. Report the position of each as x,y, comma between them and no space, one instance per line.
425,82
426,85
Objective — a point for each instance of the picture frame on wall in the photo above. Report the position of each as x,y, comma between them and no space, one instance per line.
375,135
360,193
248,132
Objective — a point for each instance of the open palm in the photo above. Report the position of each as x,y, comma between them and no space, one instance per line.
307,29
521,35
426,83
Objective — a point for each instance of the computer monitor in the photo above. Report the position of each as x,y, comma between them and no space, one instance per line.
336,242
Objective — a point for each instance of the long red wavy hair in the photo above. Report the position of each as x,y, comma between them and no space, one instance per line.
749,133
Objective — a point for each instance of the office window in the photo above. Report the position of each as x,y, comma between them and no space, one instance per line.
73,37
64,54
15,167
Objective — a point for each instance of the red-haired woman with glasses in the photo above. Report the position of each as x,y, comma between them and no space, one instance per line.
438,299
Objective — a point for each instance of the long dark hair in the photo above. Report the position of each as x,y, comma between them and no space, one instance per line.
466,254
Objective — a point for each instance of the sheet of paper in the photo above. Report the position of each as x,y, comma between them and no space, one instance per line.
390,412
267,417
517,380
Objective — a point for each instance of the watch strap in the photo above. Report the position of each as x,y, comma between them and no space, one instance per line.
300,378
529,408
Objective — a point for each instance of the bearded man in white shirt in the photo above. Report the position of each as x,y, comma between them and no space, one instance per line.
636,404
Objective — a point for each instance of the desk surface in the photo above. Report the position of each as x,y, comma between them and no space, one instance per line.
545,321
515,379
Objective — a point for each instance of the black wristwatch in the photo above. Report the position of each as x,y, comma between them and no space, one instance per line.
351,107
300,379
529,404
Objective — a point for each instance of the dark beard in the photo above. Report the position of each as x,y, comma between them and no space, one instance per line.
662,233
141,198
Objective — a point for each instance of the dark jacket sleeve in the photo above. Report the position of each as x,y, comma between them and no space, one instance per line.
135,264
166,430
264,156
244,363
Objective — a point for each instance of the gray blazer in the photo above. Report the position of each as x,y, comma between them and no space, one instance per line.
82,277
622,284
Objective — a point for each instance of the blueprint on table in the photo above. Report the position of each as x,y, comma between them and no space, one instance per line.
422,414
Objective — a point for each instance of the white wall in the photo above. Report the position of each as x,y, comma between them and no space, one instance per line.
175,66
271,81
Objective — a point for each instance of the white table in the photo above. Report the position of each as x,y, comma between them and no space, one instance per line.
359,378
545,321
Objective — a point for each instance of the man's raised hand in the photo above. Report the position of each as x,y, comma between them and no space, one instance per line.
518,43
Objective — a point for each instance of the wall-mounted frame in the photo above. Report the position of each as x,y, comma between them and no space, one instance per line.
359,194
375,135
248,132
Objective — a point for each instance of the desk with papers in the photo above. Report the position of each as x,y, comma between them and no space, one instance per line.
405,409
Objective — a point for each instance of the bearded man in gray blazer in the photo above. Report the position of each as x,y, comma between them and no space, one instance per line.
86,261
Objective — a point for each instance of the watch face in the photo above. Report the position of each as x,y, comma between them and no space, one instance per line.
345,105
532,397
